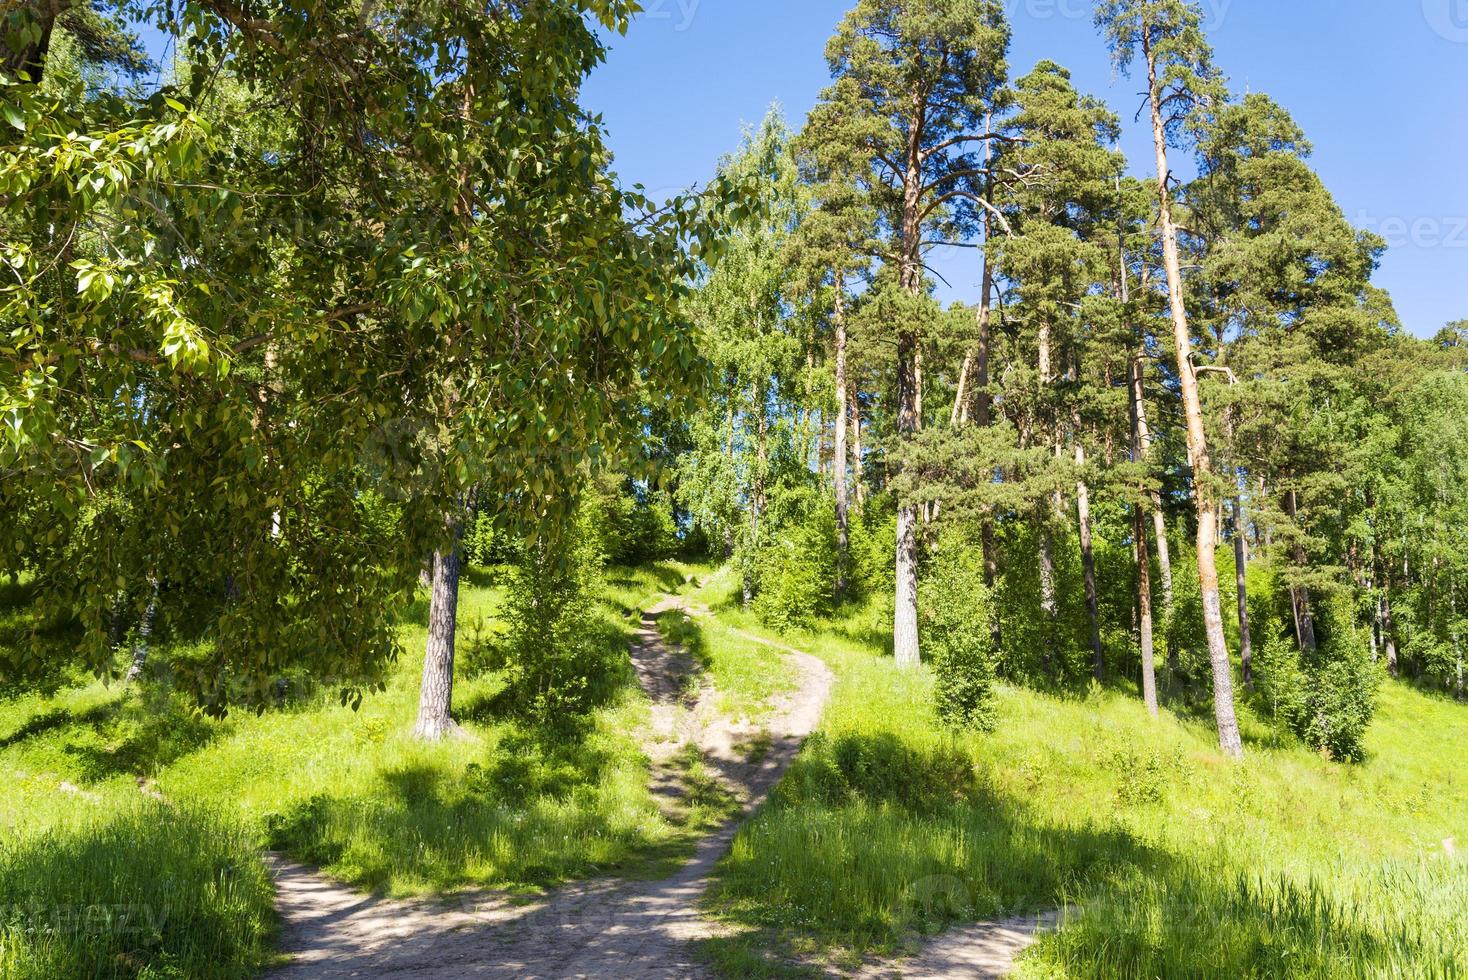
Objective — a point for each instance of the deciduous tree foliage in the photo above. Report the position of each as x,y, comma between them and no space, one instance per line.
268,323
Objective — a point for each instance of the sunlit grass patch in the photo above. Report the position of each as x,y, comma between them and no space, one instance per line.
1174,861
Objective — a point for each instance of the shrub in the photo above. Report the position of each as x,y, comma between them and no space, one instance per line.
795,569
873,542
1341,686
559,659
632,523
957,623
1327,697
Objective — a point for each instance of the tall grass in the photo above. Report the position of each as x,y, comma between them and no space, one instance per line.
148,891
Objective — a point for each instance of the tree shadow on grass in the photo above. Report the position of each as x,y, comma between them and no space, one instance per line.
139,736
533,813
54,720
684,632
130,734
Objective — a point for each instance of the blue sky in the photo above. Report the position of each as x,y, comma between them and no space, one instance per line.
1380,87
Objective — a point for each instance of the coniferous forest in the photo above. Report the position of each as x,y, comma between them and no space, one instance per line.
425,551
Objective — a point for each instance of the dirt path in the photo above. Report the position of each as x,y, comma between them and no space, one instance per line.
982,951
590,929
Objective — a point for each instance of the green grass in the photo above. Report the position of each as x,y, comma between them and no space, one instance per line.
1179,864
746,674
147,890
512,807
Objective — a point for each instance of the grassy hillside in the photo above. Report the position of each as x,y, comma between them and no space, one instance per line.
1173,862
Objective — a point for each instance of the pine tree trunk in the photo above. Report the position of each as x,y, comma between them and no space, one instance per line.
843,521
905,643
436,697
1088,565
858,463
1229,739
959,415
1159,519
984,411
1144,604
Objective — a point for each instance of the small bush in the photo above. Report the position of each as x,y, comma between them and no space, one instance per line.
631,523
559,659
796,568
1327,697
957,625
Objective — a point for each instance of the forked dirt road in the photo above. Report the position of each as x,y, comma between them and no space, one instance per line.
603,929
627,930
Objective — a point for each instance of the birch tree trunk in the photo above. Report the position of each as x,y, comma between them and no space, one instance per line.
436,697
1049,599
1300,594
145,632
1241,565
1229,739
1088,565
1462,678
905,646
1048,602
1384,616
